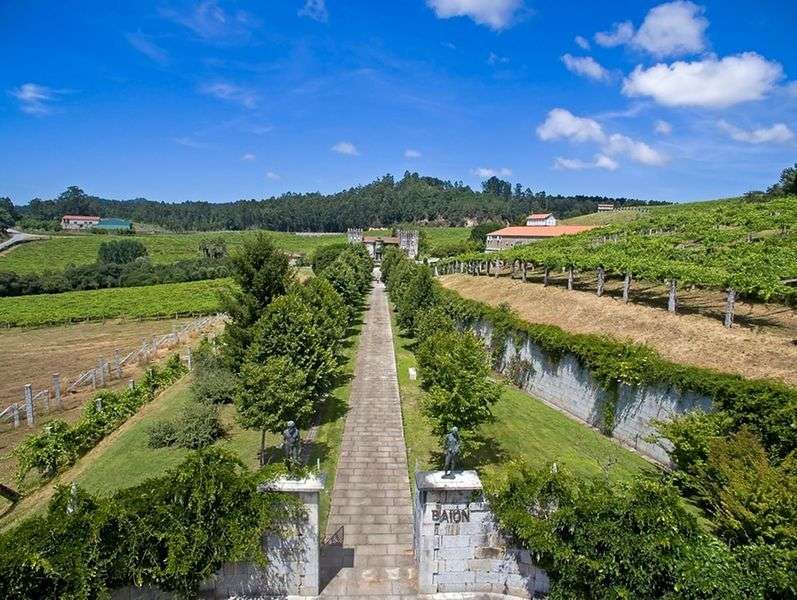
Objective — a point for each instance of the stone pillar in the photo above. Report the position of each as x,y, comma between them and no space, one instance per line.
57,389
458,546
291,548
29,404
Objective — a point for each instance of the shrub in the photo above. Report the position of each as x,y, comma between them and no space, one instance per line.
431,321
162,434
212,382
326,255
198,426
120,251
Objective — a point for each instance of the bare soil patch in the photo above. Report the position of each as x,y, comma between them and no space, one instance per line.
33,355
762,345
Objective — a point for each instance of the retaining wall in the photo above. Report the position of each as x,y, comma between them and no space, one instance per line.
569,386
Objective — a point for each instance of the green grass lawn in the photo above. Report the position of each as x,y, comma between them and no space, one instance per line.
524,427
123,459
60,251
167,299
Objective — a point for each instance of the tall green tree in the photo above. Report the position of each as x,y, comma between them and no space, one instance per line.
120,252
270,395
262,273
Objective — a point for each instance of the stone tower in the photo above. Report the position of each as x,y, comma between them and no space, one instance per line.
355,236
408,242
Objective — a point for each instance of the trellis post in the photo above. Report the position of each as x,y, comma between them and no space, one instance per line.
601,281
626,286
117,359
101,371
569,278
672,299
15,414
57,389
545,277
525,269
188,359
29,404
729,307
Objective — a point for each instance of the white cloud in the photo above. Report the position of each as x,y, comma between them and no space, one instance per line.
778,133
272,176
410,153
145,45
248,157
495,14
34,98
638,151
562,124
663,127
493,59
231,93
210,21
601,161
585,66
346,148
621,34
791,88
672,29
582,42
708,83
315,9
486,172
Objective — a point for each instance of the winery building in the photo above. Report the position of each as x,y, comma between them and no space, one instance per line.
508,237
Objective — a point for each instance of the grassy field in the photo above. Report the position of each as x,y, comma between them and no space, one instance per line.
523,428
168,299
605,218
123,459
59,251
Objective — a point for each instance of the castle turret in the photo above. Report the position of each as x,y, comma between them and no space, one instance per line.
408,242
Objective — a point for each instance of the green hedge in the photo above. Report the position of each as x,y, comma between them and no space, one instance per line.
767,407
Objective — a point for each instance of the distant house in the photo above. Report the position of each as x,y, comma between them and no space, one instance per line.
406,240
113,224
541,220
605,207
509,237
78,221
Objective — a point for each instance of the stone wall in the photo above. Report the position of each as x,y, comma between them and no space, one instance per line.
568,385
458,545
291,548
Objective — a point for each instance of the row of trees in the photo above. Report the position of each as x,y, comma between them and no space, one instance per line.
454,366
384,202
280,353
122,263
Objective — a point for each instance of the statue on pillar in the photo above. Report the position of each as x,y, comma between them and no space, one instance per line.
452,447
291,444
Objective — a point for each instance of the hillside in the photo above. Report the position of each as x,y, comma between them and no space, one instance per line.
384,202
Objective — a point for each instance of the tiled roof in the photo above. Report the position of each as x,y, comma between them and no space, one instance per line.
80,218
554,231
540,215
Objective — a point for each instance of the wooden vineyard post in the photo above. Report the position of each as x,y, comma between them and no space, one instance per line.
729,307
672,300
626,286
601,281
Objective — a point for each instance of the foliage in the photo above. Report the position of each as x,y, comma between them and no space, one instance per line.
262,273
455,370
120,252
412,291
330,312
173,532
198,426
289,328
326,255
384,202
140,272
599,539
59,445
431,321
453,249
214,248
166,300
787,184
747,245
162,434
212,381
478,235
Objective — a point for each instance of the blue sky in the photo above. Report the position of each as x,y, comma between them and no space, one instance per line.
214,100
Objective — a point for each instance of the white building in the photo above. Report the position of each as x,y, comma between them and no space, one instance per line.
605,207
78,222
541,220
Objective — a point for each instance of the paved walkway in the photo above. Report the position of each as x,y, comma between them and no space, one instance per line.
371,497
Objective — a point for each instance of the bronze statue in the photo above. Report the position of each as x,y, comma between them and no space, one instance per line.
291,443
452,446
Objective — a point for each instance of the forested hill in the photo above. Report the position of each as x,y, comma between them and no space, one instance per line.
413,199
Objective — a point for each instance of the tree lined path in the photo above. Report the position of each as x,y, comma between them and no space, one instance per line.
371,499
